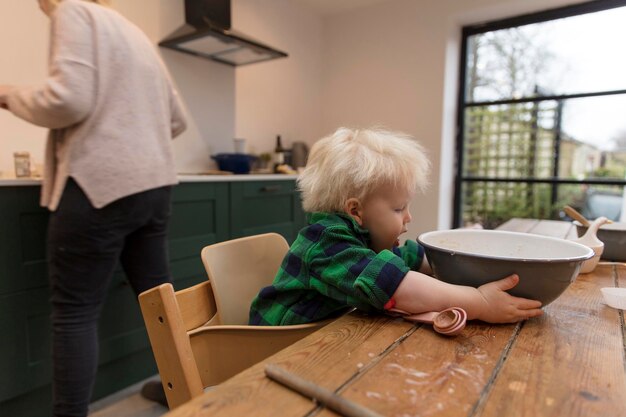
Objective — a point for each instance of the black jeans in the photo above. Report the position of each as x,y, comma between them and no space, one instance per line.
84,246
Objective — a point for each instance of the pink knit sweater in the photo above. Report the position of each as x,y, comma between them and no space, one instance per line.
110,106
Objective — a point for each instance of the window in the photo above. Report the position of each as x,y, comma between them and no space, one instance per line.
541,116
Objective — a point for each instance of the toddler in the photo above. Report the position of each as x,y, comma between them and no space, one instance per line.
357,187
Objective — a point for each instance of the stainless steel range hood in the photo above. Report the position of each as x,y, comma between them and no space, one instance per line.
207,34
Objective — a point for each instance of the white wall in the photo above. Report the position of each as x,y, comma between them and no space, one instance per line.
207,88
393,63
396,64
23,57
282,96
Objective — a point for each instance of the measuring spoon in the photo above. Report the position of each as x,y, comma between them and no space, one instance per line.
448,322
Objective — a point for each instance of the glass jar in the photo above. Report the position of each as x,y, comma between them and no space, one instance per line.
22,164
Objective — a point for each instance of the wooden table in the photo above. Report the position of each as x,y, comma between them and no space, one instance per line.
569,362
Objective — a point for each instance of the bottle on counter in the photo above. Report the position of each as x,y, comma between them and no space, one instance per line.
279,154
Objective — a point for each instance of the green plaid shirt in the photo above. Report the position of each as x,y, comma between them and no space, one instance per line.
329,269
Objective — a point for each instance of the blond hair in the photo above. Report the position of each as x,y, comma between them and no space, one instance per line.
54,3
353,163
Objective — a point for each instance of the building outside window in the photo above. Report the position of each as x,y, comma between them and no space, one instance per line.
541,116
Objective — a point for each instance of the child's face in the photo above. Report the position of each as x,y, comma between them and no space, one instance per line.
385,214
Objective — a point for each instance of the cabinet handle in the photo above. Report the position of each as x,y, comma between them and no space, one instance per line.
271,188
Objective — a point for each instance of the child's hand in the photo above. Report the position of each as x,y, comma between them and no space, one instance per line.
501,307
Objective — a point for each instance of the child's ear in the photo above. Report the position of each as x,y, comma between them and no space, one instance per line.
354,209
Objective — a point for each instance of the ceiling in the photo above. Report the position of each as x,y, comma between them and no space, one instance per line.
332,7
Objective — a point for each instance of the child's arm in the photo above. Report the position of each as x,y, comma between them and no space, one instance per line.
418,293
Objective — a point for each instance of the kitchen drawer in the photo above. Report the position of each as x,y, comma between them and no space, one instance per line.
264,189
265,206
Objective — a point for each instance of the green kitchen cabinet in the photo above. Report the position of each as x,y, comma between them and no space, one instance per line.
265,206
23,226
203,213
199,218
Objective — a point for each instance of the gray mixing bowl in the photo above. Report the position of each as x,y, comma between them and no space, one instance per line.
546,265
614,237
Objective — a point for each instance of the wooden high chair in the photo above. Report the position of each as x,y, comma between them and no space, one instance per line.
199,335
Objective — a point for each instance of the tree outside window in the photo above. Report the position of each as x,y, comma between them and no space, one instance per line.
541,116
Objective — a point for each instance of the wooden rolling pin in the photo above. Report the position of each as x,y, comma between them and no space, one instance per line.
322,395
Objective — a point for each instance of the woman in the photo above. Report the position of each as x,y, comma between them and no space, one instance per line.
112,112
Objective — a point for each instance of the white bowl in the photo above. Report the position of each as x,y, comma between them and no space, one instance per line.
546,265
615,297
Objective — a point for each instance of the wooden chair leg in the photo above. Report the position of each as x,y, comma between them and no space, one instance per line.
170,344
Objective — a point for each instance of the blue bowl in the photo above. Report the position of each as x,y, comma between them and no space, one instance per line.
237,163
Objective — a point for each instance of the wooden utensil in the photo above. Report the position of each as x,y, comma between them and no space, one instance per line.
308,389
574,214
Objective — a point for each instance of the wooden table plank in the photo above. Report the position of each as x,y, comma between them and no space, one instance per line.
518,225
570,362
552,228
621,283
433,375
572,235
346,348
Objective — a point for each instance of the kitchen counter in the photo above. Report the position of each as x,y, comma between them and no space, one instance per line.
231,178
181,178
19,181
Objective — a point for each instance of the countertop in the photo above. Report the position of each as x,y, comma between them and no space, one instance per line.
182,178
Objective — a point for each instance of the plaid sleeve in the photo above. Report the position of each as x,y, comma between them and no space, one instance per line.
412,253
343,268
329,268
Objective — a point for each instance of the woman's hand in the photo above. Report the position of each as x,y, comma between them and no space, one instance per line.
4,92
501,307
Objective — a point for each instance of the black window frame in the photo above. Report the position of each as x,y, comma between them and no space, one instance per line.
462,104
